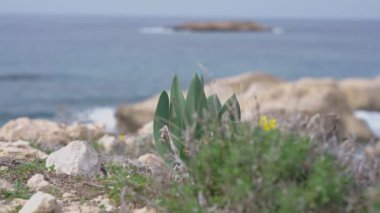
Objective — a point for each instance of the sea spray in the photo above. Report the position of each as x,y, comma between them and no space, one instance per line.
372,119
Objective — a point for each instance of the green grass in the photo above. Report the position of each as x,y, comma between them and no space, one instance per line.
41,148
20,191
138,184
98,146
23,171
18,176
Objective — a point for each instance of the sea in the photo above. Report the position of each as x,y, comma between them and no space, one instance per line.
80,68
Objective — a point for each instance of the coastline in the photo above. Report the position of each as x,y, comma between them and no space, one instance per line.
359,101
348,98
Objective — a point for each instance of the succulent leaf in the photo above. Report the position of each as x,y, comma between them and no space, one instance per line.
232,108
177,113
214,105
161,118
196,100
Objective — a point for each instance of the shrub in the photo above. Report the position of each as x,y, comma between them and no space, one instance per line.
252,170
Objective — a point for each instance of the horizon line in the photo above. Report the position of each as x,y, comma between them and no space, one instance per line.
230,17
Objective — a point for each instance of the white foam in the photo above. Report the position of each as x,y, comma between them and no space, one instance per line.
278,30
156,30
101,115
372,119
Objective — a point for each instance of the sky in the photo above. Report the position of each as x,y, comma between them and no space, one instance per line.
351,9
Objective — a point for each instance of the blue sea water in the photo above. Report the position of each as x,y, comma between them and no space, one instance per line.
55,63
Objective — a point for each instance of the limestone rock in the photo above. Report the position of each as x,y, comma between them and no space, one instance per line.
131,117
41,202
48,134
77,158
362,94
20,150
68,195
37,182
97,205
5,185
226,87
144,210
77,207
108,143
155,163
37,131
147,129
310,96
11,205
85,131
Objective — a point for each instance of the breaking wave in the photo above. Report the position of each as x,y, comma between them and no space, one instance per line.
156,30
101,115
372,119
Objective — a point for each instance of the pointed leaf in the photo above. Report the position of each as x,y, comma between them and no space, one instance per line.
214,105
196,103
177,113
196,99
232,108
161,118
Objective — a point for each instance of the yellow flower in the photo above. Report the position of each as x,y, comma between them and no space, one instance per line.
122,137
268,124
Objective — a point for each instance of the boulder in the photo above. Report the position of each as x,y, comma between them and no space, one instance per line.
147,129
77,158
308,97
222,26
20,150
37,182
225,87
89,131
48,134
37,131
41,202
362,94
305,95
131,117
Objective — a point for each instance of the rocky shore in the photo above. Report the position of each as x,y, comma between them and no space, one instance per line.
330,104
222,26
56,167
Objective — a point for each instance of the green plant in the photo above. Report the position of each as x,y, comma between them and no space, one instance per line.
20,191
191,114
23,171
137,183
253,170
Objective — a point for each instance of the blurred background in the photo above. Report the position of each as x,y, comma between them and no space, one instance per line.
81,59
